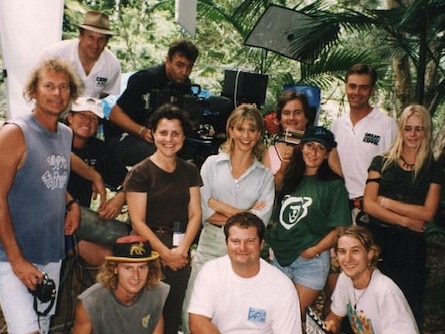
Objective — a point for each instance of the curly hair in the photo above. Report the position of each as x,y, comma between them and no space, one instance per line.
109,278
249,113
58,65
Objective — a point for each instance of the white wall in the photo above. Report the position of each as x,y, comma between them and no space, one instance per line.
27,27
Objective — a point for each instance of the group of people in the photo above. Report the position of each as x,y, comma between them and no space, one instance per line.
344,199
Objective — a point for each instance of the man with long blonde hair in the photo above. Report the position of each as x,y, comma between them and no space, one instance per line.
129,296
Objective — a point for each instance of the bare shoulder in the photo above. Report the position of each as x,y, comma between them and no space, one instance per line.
82,322
10,131
12,142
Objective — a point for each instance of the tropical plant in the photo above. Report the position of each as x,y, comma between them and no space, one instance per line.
414,43
405,43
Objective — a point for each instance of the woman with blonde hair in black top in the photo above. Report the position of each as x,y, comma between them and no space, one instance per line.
401,197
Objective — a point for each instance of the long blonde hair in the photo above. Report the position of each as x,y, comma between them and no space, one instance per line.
248,113
425,149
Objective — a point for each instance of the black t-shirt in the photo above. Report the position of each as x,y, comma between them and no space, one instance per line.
400,185
98,155
135,100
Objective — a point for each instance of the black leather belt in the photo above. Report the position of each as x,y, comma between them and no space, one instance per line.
164,229
218,226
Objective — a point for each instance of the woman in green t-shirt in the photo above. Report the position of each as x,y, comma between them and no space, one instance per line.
311,206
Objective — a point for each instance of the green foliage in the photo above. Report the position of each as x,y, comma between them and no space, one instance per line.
345,33
144,28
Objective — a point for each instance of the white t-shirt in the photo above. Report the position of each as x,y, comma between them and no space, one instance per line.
265,303
380,308
104,77
358,144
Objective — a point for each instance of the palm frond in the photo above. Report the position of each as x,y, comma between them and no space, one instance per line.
306,45
332,64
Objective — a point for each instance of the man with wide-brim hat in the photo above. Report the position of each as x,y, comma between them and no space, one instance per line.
97,66
129,296
97,22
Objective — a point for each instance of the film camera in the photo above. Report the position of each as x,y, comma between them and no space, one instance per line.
46,290
46,293
292,137
183,96
208,117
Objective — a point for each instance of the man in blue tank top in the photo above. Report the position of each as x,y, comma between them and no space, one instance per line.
35,208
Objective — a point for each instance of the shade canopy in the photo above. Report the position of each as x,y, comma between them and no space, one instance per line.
291,34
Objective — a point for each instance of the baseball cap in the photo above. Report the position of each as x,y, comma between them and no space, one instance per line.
321,135
92,104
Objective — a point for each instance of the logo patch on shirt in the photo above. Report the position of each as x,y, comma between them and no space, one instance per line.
101,82
371,138
293,209
256,315
146,320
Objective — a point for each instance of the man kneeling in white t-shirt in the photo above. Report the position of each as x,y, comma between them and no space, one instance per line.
240,292
371,300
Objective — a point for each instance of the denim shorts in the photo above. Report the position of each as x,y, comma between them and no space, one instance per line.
310,273
17,302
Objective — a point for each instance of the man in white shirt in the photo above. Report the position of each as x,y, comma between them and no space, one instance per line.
372,301
241,293
97,67
363,133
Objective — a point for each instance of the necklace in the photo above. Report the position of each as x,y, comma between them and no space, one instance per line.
356,300
406,165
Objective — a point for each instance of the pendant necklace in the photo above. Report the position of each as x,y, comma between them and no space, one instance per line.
356,300
406,165
368,277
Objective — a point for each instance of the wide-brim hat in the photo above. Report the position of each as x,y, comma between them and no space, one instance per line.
97,22
132,248
320,135
92,104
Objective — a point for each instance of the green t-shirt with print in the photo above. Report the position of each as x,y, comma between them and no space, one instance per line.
307,215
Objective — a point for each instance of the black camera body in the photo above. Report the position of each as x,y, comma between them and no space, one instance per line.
180,95
46,290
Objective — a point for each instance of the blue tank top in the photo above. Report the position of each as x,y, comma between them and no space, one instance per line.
37,195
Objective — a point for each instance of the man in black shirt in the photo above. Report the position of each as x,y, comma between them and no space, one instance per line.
133,141
99,229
